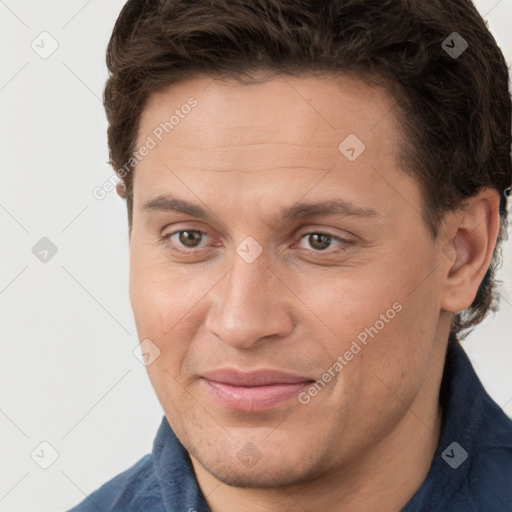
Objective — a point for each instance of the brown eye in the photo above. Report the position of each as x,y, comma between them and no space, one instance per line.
318,241
187,238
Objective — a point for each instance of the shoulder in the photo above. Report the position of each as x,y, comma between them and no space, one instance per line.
135,489
491,470
487,484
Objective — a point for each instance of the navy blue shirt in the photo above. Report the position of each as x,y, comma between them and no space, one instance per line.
471,470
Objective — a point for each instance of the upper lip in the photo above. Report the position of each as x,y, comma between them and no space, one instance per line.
261,377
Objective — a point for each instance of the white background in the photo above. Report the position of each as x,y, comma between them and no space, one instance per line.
68,373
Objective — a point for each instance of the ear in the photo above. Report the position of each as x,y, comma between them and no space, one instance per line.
468,243
121,189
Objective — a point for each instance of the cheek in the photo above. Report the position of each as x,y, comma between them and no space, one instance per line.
150,302
157,311
382,320
350,301
161,294
168,307
396,360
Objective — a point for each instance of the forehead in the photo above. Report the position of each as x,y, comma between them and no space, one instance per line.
270,136
291,110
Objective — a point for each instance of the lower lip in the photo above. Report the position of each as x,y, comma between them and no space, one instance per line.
255,398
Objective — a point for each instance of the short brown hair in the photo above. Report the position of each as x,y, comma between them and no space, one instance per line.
455,111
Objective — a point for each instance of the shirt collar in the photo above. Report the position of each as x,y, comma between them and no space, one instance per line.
461,398
179,487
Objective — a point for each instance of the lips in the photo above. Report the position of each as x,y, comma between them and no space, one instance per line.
252,391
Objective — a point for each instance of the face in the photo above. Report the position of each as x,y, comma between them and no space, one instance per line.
280,264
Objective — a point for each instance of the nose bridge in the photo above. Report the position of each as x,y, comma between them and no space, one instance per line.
248,306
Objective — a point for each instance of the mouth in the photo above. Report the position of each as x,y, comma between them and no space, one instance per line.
256,391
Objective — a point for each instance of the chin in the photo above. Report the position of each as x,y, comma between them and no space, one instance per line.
264,477
270,471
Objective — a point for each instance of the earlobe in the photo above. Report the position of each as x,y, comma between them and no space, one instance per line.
467,255
121,189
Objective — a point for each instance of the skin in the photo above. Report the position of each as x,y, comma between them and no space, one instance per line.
243,154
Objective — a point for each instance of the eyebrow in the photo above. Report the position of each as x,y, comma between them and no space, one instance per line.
169,203
331,207
326,208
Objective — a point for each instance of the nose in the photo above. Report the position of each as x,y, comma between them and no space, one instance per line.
249,305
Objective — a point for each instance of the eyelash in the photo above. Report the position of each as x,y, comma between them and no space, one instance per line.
342,242
167,238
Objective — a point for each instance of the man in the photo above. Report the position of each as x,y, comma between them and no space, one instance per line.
316,192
